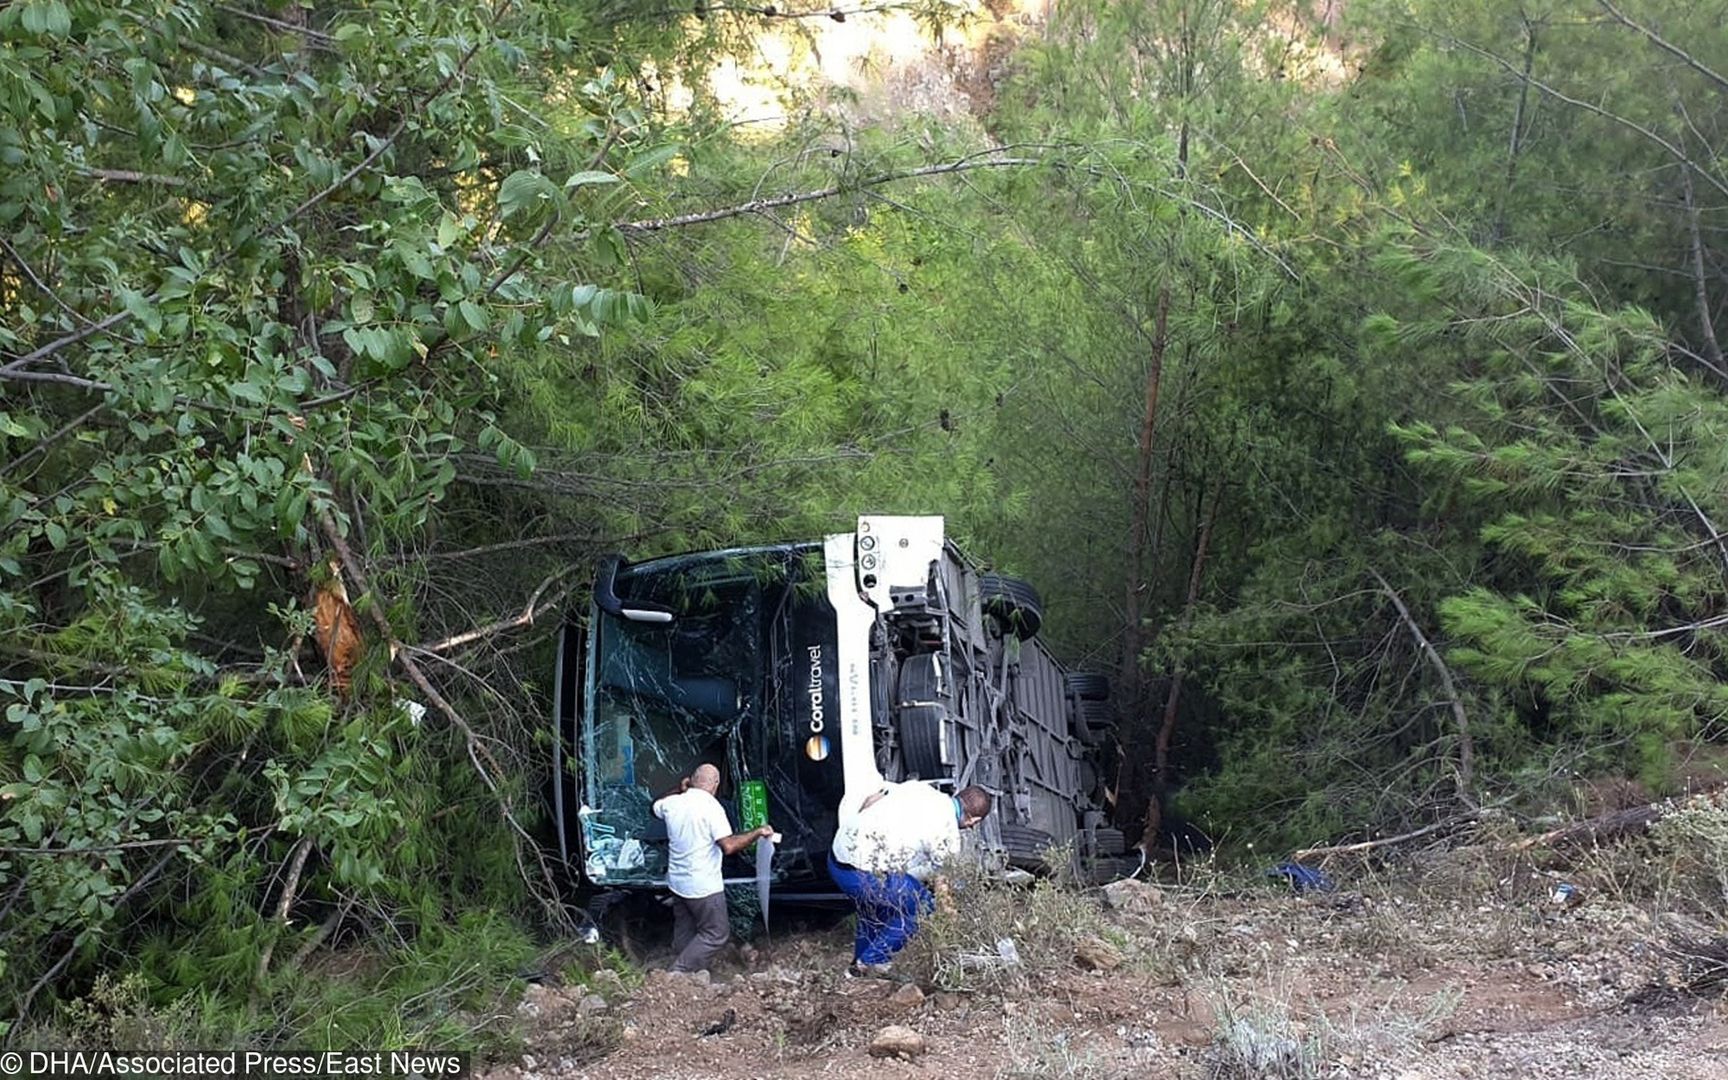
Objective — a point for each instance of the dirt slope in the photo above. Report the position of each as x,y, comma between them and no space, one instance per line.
1383,983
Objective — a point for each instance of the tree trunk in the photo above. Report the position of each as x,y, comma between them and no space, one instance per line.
1141,510
1196,573
1706,325
1516,142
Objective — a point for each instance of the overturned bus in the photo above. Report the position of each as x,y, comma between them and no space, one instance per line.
808,673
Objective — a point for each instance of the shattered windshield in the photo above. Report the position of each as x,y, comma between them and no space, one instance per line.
666,697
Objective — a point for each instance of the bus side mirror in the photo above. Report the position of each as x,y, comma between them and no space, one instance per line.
606,596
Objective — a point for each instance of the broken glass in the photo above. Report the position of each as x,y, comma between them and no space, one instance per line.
668,697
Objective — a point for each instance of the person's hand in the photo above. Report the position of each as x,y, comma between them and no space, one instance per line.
765,832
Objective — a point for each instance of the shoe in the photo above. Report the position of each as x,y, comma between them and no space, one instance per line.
868,971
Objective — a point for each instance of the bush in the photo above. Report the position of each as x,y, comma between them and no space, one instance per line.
1693,843
1044,920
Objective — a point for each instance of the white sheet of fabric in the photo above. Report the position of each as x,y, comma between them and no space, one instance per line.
765,874
910,830
695,822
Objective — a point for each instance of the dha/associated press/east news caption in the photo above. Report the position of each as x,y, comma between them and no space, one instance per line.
263,1064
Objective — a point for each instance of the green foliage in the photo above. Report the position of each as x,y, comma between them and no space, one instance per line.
302,251
451,987
301,300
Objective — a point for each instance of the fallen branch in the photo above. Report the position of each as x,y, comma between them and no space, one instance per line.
1615,825
1619,824
325,929
297,865
526,618
1385,841
1466,747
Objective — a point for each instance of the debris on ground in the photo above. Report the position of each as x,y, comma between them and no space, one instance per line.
1132,897
1461,967
897,1041
1096,954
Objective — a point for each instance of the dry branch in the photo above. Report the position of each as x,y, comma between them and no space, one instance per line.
297,865
1466,747
1615,825
758,206
526,618
1385,841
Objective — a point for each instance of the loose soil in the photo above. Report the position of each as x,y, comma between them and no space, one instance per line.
1384,982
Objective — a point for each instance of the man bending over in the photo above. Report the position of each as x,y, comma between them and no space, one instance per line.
886,853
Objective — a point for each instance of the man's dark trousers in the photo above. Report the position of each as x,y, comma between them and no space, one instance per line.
699,930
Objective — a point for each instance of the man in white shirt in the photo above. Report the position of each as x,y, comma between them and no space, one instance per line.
698,837
884,855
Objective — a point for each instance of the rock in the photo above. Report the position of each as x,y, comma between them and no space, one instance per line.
591,1005
606,981
529,1064
1132,897
907,996
948,1002
897,1041
1096,954
537,1000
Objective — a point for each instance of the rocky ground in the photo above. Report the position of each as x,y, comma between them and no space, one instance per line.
1456,972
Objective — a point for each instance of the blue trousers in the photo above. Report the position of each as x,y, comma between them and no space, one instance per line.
888,909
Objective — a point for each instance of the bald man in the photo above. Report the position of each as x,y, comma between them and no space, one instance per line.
698,837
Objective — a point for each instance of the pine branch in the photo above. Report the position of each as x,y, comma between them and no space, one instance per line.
1676,152
1666,46
758,206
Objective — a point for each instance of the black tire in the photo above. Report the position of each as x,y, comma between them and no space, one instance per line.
1013,602
921,741
919,680
919,712
1025,845
1093,722
1089,685
1108,842
1088,778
